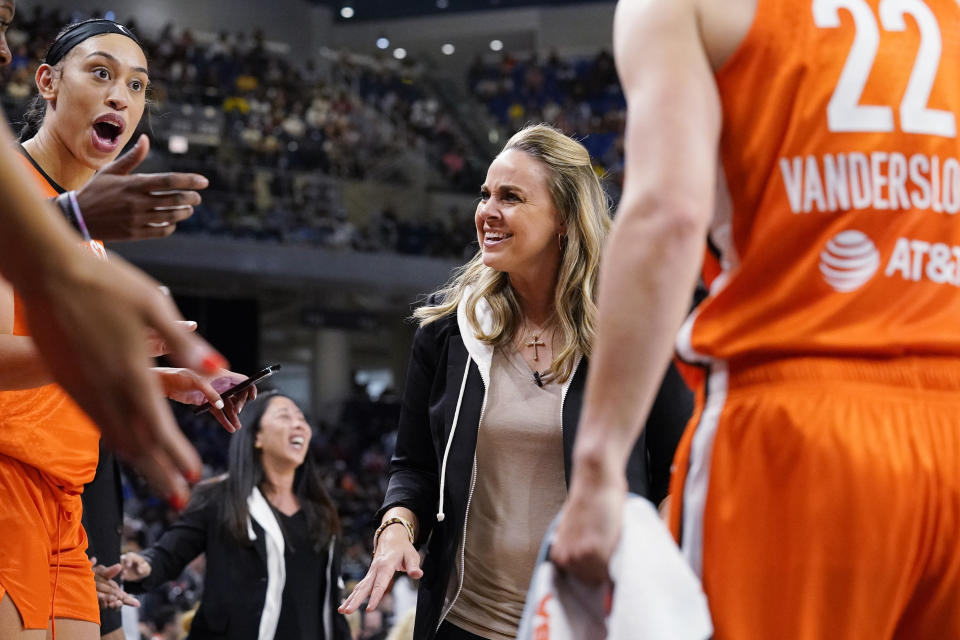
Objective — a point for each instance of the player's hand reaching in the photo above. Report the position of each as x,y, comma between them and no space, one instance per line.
109,594
394,553
189,387
118,205
94,346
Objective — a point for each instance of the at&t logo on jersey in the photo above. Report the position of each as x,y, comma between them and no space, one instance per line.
915,260
849,260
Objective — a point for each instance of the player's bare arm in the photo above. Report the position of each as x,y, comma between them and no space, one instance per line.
94,344
650,263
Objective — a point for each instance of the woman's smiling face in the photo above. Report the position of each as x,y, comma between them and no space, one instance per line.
284,434
517,223
95,102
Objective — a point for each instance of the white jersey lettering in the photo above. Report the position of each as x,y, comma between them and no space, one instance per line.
881,181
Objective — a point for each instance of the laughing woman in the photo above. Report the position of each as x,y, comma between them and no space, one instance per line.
269,531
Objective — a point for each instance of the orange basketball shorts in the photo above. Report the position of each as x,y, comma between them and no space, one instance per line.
820,498
43,561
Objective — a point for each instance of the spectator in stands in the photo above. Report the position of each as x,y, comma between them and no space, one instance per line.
488,422
581,97
270,534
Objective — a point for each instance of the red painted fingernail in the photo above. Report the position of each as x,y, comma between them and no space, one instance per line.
214,362
178,502
193,477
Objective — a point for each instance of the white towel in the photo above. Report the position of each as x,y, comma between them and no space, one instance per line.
656,595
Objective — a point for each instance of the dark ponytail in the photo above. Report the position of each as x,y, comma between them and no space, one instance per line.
33,118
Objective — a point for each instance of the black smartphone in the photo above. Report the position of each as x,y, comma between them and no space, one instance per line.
259,376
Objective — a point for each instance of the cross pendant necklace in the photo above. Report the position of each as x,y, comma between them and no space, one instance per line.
536,343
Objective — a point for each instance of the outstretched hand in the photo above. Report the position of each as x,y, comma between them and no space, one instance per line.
394,553
109,594
119,206
188,387
88,318
94,346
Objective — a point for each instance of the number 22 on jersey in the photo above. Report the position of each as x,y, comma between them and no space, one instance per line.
844,111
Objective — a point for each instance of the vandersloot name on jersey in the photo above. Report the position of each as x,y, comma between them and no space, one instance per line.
880,180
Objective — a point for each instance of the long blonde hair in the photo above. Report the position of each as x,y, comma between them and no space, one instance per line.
584,208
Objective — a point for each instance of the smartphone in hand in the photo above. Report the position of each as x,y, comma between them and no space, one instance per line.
259,376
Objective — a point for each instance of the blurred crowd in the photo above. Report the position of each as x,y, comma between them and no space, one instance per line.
581,97
276,135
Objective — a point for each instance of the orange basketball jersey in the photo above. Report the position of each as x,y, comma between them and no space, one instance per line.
43,426
837,228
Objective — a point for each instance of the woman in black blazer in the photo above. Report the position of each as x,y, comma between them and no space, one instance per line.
492,399
269,531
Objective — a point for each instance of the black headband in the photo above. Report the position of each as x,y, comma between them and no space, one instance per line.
77,33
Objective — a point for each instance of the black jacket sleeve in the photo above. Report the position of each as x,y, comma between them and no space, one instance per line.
180,544
414,478
103,510
668,418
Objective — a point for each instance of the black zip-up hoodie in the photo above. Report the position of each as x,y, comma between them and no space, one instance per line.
440,414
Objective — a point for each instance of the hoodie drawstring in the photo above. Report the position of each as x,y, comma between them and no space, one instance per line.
453,429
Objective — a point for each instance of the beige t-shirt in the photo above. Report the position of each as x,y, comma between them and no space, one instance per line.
520,487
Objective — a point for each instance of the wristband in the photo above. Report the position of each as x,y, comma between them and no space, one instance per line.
386,523
71,211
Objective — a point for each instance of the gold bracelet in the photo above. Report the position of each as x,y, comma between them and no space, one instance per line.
386,523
